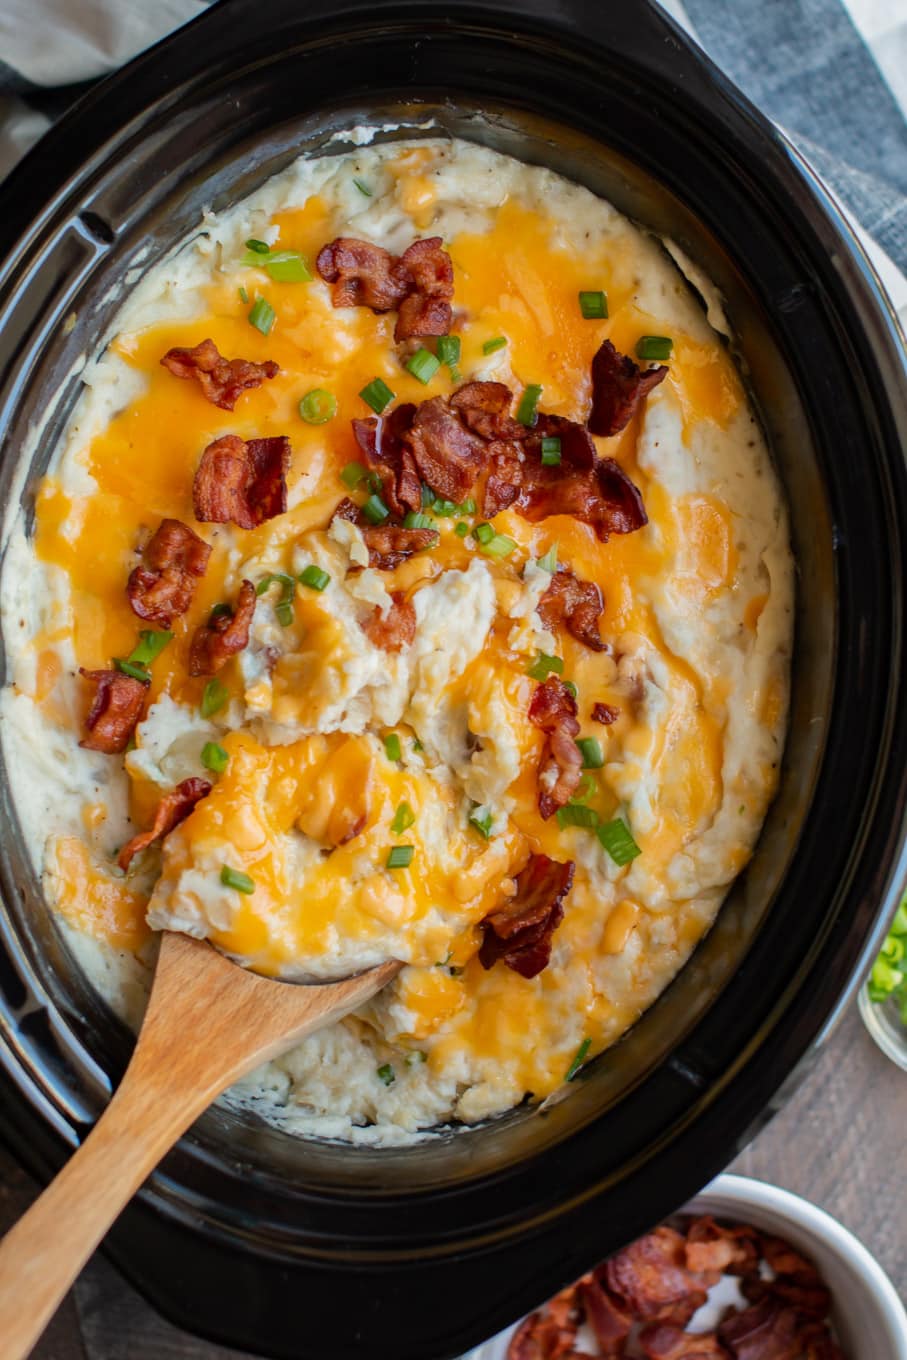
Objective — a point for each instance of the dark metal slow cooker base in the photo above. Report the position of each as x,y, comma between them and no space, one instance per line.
308,1249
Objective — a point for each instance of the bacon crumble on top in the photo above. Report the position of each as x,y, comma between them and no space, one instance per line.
419,283
394,630
389,545
161,588
594,490
172,809
381,440
605,714
484,408
222,380
575,604
553,710
223,635
114,712
618,387
243,481
426,309
651,1275
664,1341
519,932
448,456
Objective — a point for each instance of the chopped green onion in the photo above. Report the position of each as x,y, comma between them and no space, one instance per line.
214,757
400,856
461,529
243,295
403,819
374,509
214,696
593,305
377,394
616,839
467,507
888,979
414,519
136,672
569,685
150,647
654,347
258,247
544,666
448,350
551,451
386,1074
593,758
392,747
499,545
423,365
578,1060
417,745
284,606
577,814
235,878
288,266
481,821
444,509
417,1056
262,315
318,406
353,474
483,533
363,188
428,496
314,577
586,786
527,413
490,346
549,561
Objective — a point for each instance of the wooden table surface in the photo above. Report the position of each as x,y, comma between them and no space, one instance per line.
839,1142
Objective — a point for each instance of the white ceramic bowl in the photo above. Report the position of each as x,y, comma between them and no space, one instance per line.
868,1315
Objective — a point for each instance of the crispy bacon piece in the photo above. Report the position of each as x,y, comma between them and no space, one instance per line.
427,270
605,714
731,1251
550,1333
651,1276
520,931
394,630
223,635
388,544
818,1344
161,588
609,1320
660,1341
592,489
222,380
505,478
484,407
362,274
384,451
114,711
448,457
173,808
242,480
347,509
576,605
618,386
767,1331
553,709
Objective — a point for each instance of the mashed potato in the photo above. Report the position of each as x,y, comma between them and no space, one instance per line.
370,803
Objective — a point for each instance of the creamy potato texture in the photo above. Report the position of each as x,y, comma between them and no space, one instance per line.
327,735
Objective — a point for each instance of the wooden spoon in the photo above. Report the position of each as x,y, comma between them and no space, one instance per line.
208,1023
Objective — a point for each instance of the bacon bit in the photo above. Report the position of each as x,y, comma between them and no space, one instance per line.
618,386
651,1277
427,270
660,1341
362,274
606,1315
550,1333
448,457
114,710
388,545
381,442
605,714
394,630
242,480
818,1344
222,380
223,635
592,489
576,604
484,407
553,709
731,1251
767,1331
173,808
347,509
505,478
783,1260
520,931
161,588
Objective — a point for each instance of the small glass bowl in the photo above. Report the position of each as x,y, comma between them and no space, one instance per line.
883,1020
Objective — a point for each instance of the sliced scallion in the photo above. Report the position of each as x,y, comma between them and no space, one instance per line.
374,509
551,451
400,856
392,748
150,647
423,365
386,1074
414,519
461,529
314,577
578,1060
243,295
258,247
590,748
318,406
654,347
288,266
593,304
214,696
262,315
483,533
496,343
545,665
135,672
527,413
403,819
549,561
235,878
377,394
499,545
617,839
577,814
214,757
448,351
481,821
363,188
353,474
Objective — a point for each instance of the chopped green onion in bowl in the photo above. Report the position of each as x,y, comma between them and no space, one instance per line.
318,406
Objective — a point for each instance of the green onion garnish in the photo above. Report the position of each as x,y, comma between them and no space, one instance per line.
353,474
467,507
243,295
654,347
499,545
392,748
544,666
214,696
483,533
578,1059
149,649
461,529
262,315
374,509
318,406
258,247
616,838
428,496
444,509
284,606
577,814
417,1056
527,413
377,394
386,1074
235,878
586,786
490,346
481,821
593,758
363,188
448,350
417,745
423,365
551,451
549,561
136,672
403,819
888,979
314,577
288,266
593,305
414,519
569,685
214,757
400,856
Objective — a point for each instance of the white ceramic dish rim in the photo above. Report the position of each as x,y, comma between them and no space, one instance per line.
739,1193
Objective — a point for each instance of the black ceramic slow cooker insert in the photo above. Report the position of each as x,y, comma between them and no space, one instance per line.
304,1249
